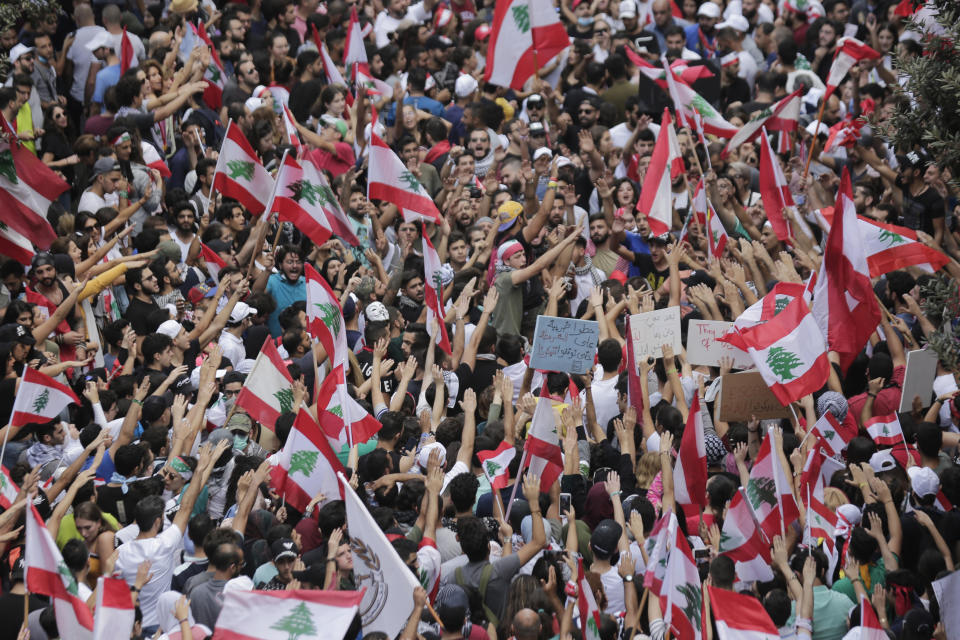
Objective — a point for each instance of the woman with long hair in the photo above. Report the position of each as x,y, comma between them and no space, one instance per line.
56,144
97,529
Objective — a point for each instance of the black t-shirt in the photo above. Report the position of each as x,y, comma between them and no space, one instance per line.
478,378
654,277
736,91
919,211
302,97
138,313
365,359
11,612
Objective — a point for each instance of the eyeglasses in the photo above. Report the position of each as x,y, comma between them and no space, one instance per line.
601,31
586,110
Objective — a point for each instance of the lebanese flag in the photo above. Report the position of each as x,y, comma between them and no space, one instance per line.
890,247
325,317
769,491
390,180
635,397
717,237
363,78
870,628
741,539
656,200
433,291
849,51
789,352
780,116
821,523
213,260
587,606
304,197
40,398
268,390
282,615
27,189
674,92
15,245
342,419
658,545
843,134
239,173
354,51
885,430
496,464
830,433
782,294
114,615
844,304
680,599
739,617
8,489
690,470
214,75
290,129
774,190
127,57
544,457
306,465
151,158
48,575
523,35
692,102
333,74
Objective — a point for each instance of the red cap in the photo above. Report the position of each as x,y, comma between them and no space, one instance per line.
482,32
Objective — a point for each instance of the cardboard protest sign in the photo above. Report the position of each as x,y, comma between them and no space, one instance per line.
745,394
703,347
564,344
653,329
918,378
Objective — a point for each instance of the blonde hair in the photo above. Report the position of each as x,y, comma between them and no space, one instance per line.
648,466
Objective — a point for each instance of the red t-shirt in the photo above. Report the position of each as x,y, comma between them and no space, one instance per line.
887,400
336,164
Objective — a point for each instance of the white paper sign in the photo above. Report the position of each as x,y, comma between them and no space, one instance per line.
948,595
654,329
704,348
918,378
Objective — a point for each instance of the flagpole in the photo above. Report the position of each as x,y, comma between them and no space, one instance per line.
516,483
813,144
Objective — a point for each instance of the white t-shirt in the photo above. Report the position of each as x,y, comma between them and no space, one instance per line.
138,49
89,201
81,58
161,551
386,24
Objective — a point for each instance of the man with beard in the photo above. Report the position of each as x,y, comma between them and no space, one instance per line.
183,231
654,266
480,148
54,293
605,258
411,297
286,287
360,222
425,172
168,283
701,37
141,285
203,187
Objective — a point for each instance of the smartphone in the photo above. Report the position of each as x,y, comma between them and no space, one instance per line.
411,444
702,556
564,503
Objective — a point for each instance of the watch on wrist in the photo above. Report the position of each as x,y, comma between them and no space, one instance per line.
628,578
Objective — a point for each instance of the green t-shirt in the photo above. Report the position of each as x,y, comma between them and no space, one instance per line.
68,528
509,312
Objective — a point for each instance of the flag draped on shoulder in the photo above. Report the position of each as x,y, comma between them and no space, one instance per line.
40,398
433,291
239,173
542,446
587,606
690,471
524,35
387,582
268,389
389,179
286,615
739,617
115,615
304,197
656,199
496,464
848,52
774,190
48,575
325,317
681,599
306,465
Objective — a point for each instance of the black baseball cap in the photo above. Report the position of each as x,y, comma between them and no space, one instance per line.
16,333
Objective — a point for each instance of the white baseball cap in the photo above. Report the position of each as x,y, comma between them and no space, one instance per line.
100,39
883,460
542,151
170,328
735,21
709,9
924,481
241,312
628,9
465,85
17,51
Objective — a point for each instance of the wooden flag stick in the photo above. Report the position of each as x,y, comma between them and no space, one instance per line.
813,144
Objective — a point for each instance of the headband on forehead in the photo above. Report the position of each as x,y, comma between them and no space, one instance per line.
180,465
120,139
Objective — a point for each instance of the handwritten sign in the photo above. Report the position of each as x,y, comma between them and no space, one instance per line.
947,590
564,344
653,329
918,378
745,394
703,347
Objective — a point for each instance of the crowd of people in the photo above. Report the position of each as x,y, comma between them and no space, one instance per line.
159,291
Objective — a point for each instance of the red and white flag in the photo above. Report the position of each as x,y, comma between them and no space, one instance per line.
27,189
239,173
433,291
127,57
739,618
15,245
774,190
214,75
354,50
690,471
844,304
707,217
681,599
306,465
343,420
325,317
656,197
658,546
285,615
213,260
544,457
870,628
290,129
769,491
114,615
587,606
843,134
48,575
304,197
523,35
496,464
8,489
151,158
820,521
830,434
742,540
40,398
268,390
885,430
674,92
849,51
390,180
782,294
685,98
789,352
780,116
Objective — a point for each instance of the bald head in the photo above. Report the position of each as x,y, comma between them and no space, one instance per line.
83,14
526,624
111,15
662,13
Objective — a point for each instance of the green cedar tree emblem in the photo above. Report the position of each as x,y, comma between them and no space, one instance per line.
303,461
780,303
412,183
299,622
521,15
214,73
492,468
783,362
724,539
829,435
7,168
891,237
240,169
762,491
68,580
701,105
313,193
285,398
41,401
336,410
329,316
692,607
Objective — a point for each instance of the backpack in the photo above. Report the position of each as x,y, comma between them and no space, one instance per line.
485,574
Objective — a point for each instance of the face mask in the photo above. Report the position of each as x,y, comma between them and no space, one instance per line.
585,21
240,442
41,60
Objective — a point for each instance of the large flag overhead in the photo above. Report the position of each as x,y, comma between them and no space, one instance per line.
325,317
387,582
268,389
658,544
844,304
656,200
115,615
306,465
680,598
769,491
27,189
286,615
830,433
780,116
690,471
239,173
40,398
48,575
739,618
390,180
525,35
433,291
848,52
774,190
542,446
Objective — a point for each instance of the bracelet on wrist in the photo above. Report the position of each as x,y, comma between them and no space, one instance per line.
139,402
615,493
